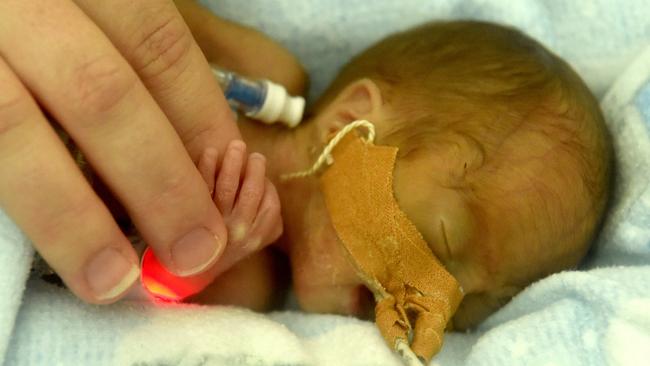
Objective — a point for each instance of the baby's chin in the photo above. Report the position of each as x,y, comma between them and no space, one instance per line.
325,283
323,280
344,299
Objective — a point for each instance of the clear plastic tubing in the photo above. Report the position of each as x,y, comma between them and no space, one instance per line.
260,99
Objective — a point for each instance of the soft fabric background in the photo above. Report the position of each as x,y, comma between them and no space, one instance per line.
598,315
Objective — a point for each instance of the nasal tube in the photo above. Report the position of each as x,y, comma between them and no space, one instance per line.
262,100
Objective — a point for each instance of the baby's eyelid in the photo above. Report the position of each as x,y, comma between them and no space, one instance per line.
445,241
467,153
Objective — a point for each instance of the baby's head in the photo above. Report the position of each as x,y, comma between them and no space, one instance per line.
503,161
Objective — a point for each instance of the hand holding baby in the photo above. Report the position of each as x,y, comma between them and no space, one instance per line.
130,86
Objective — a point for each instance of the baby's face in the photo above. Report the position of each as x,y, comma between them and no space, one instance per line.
324,281
496,206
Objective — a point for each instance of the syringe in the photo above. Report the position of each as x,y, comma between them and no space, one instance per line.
262,100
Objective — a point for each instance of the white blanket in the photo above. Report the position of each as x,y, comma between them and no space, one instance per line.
596,316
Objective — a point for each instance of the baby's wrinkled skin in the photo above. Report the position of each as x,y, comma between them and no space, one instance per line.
501,201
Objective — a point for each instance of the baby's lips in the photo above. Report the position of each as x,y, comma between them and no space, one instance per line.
164,285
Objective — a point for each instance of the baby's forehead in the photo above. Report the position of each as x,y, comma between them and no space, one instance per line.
482,144
520,182
538,159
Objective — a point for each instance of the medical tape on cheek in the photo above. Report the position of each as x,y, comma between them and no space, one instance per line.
415,295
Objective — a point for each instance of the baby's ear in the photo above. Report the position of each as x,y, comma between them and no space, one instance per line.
359,100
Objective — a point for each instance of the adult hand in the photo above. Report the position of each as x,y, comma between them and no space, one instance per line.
127,82
248,201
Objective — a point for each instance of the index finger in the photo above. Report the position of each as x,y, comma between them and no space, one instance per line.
154,39
117,124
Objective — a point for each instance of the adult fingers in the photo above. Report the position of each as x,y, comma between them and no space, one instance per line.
119,127
155,40
208,167
266,228
45,193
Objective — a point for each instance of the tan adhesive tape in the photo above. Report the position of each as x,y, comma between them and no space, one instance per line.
415,295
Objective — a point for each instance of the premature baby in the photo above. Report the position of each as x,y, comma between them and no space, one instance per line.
503,166
503,163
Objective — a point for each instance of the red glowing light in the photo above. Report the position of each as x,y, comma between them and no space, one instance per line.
165,285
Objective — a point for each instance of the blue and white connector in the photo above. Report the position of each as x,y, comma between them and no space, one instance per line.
260,99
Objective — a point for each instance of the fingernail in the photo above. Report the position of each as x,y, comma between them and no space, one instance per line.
195,252
259,156
110,273
211,153
237,145
239,231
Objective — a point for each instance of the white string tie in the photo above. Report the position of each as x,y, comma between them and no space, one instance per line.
326,155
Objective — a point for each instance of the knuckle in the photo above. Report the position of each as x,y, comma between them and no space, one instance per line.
12,103
174,185
225,194
227,187
271,202
273,208
172,191
57,223
100,84
164,45
249,194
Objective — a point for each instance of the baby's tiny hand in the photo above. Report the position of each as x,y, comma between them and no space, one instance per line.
247,200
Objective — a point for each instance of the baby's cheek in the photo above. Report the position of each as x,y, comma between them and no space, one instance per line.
353,300
323,280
